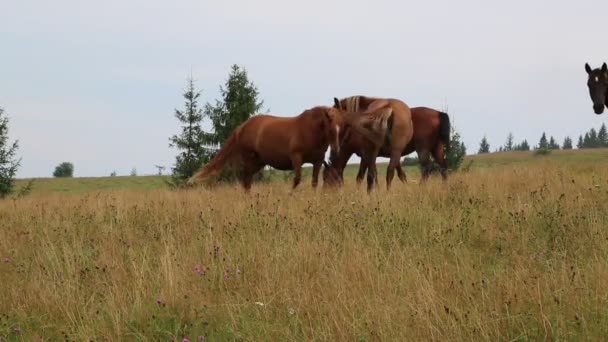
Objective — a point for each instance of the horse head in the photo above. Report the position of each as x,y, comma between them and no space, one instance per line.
598,87
335,121
331,177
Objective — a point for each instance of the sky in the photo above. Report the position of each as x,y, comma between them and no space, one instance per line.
97,83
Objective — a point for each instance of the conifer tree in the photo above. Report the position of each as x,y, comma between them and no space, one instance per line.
8,160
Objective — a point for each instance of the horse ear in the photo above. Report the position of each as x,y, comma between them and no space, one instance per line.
604,67
587,68
336,103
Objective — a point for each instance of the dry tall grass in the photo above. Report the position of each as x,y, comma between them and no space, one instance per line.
496,254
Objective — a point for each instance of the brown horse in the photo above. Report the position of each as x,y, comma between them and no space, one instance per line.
284,143
431,136
598,87
387,127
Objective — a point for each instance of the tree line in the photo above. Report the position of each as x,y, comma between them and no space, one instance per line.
591,139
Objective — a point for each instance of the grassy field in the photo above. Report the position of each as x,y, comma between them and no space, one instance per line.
516,249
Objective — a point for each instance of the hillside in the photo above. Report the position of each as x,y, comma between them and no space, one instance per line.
79,185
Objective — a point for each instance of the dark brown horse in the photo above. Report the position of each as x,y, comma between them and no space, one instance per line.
385,125
431,137
284,143
598,87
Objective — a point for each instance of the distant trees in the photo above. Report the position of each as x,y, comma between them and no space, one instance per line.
484,146
567,145
509,144
542,143
523,146
8,160
593,138
553,145
64,170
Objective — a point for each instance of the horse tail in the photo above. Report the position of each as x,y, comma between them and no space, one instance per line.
444,131
223,156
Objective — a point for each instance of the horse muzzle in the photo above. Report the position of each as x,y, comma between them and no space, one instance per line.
598,109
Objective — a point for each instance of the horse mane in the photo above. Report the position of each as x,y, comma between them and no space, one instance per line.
352,103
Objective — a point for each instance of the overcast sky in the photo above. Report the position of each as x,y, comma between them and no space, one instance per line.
96,83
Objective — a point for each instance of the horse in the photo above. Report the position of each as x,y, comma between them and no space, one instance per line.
386,124
598,87
431,136
284,143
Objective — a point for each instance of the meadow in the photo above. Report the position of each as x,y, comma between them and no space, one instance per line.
514,249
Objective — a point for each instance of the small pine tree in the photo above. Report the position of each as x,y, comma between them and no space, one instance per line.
543,144
484,146
587,141
190,142
524,146
64,170
602,136
553,145
593,140
509,144
580,144
456,153
567,143
8,162
133,172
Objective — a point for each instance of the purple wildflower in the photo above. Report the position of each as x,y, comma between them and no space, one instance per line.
158,301
201,338
7,260
185,339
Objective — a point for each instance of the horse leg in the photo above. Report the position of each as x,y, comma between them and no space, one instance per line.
296,164
362,170
392,165
316,167
401,174
250,168
438,154
425,164
372,173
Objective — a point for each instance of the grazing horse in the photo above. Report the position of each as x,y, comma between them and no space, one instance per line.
598,87
387,127
431,136
284,143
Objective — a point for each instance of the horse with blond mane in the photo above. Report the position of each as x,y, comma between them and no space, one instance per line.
387,126
431,137
284,143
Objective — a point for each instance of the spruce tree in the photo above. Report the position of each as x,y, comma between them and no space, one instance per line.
567,144
580,144
543,144
553,145
587,141
593,140
525,146
191,140
509,143
602,136
484,146
239,102
8,162
456,153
